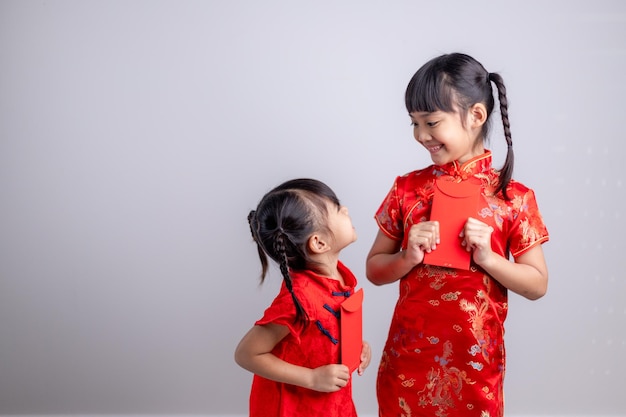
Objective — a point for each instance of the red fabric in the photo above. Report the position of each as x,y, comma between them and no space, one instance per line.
445,352
308,347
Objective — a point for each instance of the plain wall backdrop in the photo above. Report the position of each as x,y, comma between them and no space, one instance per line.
135,136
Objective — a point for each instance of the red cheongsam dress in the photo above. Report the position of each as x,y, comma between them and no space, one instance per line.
312,346
444,354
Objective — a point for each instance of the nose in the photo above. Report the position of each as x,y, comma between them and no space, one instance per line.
421,135
344,210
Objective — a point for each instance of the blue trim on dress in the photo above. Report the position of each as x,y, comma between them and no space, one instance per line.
333,312
326,332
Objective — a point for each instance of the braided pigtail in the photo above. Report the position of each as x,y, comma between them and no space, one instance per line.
458,81
281,226
507,169
254,230
280,248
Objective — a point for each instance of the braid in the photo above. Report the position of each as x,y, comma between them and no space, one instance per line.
284,220
507,169
254,230
280,248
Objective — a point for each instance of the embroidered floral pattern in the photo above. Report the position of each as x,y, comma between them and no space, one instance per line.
445,352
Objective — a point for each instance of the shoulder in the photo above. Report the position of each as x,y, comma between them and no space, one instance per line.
517,187
419,173
522,201
415,177
301,281
520,194
308,285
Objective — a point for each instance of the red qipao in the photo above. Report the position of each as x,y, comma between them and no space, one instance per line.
445,354
312,346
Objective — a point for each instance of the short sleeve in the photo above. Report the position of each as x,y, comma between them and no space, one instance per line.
282,311
528,228
389,215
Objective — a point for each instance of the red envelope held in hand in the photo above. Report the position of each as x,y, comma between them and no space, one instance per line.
453,204
352,330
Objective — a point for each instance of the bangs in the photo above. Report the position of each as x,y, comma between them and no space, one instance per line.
429,91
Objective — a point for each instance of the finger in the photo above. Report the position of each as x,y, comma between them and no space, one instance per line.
426,243
422,242
343,373
436,232
361,369
469,241
432,232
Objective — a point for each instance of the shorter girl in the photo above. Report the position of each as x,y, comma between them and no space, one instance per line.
294,349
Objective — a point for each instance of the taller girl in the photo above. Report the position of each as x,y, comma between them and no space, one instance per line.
445,353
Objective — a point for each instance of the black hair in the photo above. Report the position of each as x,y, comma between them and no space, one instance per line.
457,81
285,219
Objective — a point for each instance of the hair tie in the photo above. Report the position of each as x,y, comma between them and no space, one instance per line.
254,226
281,234
488,77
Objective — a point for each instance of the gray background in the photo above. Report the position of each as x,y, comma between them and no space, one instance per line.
135,136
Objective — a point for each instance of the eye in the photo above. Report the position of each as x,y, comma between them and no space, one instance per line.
433,124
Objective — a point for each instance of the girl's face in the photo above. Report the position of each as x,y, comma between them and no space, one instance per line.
446,138
340,224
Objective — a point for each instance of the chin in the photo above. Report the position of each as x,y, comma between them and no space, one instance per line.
441,161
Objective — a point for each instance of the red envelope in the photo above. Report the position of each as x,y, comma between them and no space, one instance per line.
352,330
453,203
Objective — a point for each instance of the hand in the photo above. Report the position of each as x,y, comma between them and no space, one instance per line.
423,238
330,378
476,237
366,357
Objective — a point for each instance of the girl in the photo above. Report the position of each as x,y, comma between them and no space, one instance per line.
444,354
293,350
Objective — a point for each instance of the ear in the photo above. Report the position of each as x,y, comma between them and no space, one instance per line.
318,245
478,115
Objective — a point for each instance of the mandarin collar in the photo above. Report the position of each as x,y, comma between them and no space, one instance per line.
476,165
349,278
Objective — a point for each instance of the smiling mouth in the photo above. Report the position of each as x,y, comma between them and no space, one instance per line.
434,149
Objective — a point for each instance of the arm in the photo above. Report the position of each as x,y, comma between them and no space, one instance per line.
254,354
528,276
386,263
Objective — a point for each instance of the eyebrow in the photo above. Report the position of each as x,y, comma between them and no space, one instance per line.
421,115
426,113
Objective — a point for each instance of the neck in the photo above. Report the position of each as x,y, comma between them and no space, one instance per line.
326,264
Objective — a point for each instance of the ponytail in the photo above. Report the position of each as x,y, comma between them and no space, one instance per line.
507,169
